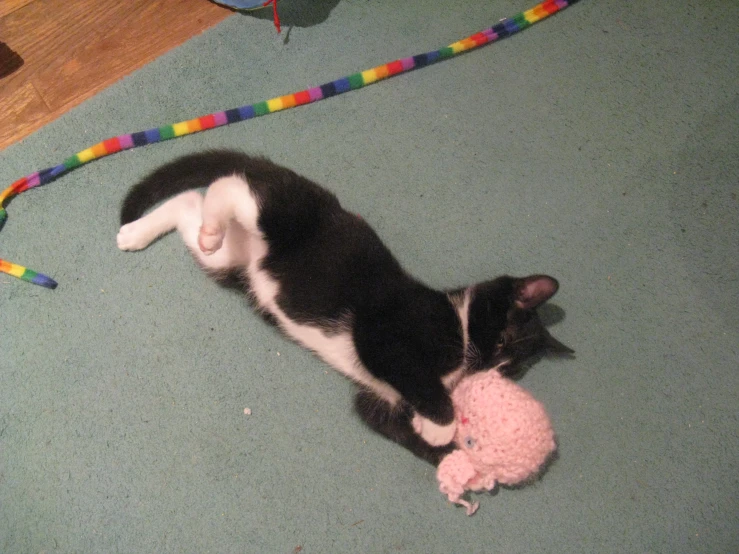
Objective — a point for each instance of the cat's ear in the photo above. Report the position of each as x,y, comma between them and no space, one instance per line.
534,290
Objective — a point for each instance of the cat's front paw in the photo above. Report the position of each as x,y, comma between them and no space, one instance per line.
210,240
433,433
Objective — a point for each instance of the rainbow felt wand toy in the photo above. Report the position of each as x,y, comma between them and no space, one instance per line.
504,28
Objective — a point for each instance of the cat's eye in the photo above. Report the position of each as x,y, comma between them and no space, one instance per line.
500,343
469,442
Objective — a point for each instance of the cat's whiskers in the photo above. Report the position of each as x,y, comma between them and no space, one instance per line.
473,357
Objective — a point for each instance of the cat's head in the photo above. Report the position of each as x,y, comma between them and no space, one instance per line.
505,330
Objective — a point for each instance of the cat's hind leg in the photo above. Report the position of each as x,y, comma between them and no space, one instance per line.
231,239
184,213
139,234
227,201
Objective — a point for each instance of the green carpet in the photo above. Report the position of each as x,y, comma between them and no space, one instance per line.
600,146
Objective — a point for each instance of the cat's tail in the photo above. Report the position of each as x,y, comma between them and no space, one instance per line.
188,172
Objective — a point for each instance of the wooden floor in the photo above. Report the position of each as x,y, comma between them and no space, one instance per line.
72,49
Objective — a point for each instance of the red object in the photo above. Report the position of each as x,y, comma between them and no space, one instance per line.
274,11
395,67
207,122
112,145
302,97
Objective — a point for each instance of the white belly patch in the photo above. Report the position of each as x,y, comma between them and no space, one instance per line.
335,349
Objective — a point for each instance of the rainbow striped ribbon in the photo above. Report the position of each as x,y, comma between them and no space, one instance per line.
503,29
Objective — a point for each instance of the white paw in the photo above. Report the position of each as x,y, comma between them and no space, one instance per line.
432,433
133,236
210,240
417,423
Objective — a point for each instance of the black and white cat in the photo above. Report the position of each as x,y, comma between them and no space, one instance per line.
327,280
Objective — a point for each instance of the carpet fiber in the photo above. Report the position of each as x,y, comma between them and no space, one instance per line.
600,146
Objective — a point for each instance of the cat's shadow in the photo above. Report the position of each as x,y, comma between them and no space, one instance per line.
550,314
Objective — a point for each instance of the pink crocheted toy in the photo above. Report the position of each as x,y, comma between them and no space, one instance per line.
503,436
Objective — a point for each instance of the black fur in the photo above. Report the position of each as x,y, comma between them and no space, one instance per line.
335,272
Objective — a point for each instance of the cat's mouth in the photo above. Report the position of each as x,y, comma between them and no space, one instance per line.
503,365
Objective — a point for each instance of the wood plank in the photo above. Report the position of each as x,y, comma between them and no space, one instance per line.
103,59
9,6
23,111
73,50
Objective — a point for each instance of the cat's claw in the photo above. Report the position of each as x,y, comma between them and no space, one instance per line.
210,240
432,433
